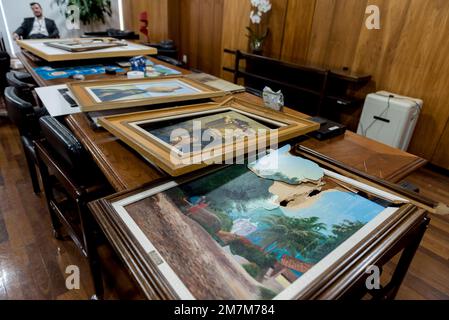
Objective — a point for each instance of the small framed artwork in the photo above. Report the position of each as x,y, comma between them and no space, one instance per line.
247,233
117,94
82,45
184,139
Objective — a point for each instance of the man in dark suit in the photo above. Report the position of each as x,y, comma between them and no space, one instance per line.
38,27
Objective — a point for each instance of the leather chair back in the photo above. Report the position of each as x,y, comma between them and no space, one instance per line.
20,112
5,62
64,144
22,82
19,79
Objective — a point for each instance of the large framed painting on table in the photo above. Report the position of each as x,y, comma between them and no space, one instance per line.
119,94
250,232
184,139
75,49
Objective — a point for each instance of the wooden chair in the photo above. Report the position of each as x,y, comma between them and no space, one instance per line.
304,88
71,180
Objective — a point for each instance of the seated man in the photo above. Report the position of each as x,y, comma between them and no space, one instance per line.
38,27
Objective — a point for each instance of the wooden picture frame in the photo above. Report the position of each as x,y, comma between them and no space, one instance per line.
338,274
41,49
183,89
128,128
87,44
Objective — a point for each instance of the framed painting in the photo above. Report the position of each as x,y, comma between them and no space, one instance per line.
53,50
184,139
118,94
88,44
245,232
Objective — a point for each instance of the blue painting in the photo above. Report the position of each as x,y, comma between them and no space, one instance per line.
49,73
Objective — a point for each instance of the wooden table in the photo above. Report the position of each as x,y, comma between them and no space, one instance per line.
126,170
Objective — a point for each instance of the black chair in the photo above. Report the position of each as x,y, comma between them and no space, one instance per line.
24,83
5,62
25,116
71,180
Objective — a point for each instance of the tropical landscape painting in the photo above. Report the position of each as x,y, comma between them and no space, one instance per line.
234,234
139,91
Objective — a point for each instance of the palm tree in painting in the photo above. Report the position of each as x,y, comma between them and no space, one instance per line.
294,235
340,233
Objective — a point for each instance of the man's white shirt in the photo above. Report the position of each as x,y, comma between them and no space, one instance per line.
39,27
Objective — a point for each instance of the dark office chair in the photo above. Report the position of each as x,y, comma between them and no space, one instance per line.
71,180
5,62
25,116
24,83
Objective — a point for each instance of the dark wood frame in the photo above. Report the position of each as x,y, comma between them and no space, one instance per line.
401,232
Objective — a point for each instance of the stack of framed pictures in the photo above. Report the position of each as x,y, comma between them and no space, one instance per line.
75,49
294,230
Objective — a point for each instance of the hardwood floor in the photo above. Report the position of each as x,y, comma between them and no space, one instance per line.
33,263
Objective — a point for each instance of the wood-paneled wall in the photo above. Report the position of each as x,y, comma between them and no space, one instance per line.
162,17
408,55
195,26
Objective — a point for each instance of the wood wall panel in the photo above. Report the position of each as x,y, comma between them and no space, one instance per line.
297,32
320,32
235,21
200,33
158,16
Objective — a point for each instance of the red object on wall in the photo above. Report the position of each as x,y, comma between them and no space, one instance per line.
143,18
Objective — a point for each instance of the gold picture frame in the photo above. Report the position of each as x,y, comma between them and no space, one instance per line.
41,49
155,143
126,93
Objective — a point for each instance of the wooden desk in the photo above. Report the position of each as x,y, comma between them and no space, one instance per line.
127,170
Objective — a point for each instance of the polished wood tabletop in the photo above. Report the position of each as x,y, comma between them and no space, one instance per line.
127,170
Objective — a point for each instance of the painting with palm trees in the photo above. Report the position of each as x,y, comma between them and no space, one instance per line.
243,235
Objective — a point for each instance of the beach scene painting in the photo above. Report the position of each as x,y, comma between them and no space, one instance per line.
244,232
140,91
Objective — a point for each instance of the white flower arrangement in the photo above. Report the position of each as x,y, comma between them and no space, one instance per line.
259,8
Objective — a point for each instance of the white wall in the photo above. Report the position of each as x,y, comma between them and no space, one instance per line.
17,10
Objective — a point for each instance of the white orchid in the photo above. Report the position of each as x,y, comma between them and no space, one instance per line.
255,17
264,6
257,35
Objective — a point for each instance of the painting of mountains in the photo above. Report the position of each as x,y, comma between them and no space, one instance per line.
236,235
